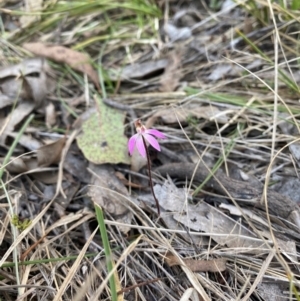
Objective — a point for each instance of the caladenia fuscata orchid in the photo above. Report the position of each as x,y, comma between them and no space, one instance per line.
139,140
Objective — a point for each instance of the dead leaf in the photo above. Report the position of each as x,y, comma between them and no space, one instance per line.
77,60
50,153
27,80
192,109
107,191
35,88
28,164
26,67
22,164
203,217
17,115
198,240
6,101
250,213
46,155
27,141
16,165
214,265
171,76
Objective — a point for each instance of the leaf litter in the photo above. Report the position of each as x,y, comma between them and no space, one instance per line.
222,135
77,60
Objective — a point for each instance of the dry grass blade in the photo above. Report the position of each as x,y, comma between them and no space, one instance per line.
260,275
74,268
120,260
24,233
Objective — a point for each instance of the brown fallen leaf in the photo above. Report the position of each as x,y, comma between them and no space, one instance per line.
25,164
50,153
46,155
16,165
214,265
77,60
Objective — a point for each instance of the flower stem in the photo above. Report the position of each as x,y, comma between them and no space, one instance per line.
150,177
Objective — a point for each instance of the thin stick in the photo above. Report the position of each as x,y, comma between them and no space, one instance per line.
150,177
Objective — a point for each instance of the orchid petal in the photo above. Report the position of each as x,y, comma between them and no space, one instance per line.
152,141
131,143
156,133
140,146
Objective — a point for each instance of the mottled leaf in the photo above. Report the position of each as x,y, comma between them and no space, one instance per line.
102,139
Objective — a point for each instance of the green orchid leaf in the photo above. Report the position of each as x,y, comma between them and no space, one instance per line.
102,139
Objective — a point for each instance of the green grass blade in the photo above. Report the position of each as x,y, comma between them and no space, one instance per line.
289,82
107,251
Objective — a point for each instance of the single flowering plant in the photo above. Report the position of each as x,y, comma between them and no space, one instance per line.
140,140
144,135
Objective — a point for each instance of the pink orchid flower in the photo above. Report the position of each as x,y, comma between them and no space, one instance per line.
148,135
